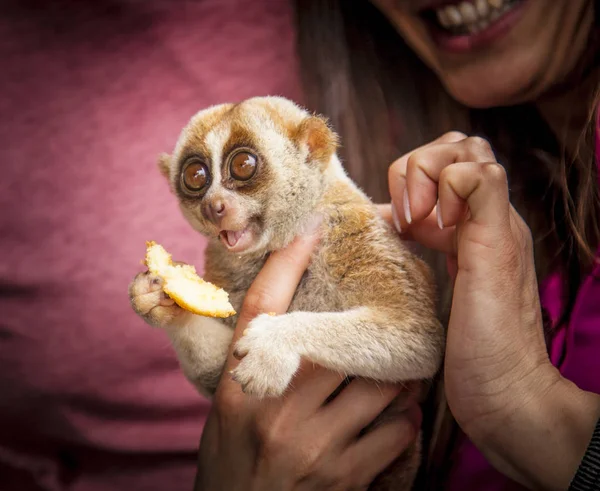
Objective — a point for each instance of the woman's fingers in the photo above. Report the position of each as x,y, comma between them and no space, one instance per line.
375,451
450,137
444,183
413,181
426,232
367,401
397,171
312,385
385,210
482,185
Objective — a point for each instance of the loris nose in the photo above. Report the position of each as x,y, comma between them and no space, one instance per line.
218,208
216,211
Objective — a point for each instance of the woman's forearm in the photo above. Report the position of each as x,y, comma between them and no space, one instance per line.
542,442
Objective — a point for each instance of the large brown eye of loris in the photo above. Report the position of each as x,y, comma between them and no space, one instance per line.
243,166
195,176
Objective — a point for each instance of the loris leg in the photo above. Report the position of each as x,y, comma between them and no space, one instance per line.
201,343
365,342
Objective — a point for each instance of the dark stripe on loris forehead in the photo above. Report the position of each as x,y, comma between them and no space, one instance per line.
214,118
196,132
195,143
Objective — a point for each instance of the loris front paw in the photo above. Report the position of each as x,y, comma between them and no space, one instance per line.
269,360
150,302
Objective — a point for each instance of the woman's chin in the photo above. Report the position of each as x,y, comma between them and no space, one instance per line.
484,99
482,91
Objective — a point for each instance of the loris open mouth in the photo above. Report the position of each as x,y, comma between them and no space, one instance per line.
237,240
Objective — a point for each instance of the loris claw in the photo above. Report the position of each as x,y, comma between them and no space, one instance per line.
248,176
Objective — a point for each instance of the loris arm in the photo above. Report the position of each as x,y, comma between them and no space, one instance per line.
201,344
366,342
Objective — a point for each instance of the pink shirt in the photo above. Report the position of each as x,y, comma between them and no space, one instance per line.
91,398
574,349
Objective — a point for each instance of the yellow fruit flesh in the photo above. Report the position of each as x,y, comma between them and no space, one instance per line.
185,287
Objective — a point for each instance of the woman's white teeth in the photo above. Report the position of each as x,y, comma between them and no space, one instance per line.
467,12
449,16
472,16
483,8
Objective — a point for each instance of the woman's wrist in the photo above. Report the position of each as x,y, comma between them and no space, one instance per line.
541,441
575,415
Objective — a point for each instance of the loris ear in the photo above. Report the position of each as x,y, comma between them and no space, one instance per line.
321,140
164,164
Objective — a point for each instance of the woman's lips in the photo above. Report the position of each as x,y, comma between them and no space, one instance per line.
463,42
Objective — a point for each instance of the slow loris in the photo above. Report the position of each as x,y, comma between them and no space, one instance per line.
249,176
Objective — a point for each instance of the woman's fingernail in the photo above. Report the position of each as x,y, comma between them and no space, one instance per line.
395,218
407,207
438,212
311,225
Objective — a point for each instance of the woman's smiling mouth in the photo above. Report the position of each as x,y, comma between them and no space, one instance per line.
467,25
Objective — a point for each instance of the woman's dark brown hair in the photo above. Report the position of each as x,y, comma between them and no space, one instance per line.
384,101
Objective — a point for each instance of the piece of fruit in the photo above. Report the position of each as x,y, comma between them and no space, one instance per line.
185,287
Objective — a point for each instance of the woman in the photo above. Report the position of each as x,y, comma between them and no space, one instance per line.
524,75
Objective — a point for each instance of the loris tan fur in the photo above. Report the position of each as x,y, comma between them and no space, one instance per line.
365,306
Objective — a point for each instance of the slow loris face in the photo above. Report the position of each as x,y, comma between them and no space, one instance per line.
250,173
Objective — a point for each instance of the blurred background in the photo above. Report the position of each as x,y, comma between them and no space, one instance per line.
91,398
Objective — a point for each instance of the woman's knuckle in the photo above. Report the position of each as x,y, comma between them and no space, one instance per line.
307,459
453,136
397,168
446,175
256,302
277,443
226,405
274,439
413,161
287,260
494,171
477,142
311,457
478,146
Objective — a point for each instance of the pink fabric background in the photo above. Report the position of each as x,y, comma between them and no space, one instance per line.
91,398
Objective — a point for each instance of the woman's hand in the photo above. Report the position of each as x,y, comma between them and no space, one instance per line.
296,442
452,195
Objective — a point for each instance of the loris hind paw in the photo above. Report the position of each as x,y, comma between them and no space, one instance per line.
150,302
268,360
